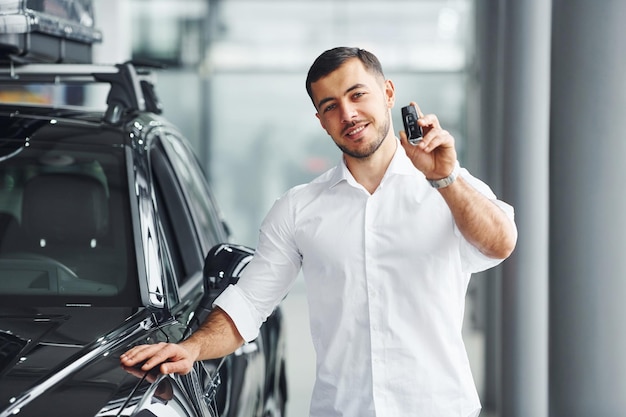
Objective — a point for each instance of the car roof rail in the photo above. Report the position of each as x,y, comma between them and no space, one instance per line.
131,87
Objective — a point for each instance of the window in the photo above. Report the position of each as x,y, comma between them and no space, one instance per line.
65,224
194,186
173,212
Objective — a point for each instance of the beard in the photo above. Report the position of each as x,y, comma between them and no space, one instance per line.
381,134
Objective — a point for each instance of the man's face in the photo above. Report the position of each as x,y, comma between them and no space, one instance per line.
353,107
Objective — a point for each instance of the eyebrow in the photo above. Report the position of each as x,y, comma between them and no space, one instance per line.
327,99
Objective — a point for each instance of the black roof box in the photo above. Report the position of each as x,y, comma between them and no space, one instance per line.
47,31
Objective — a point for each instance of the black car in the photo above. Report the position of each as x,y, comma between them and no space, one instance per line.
109,238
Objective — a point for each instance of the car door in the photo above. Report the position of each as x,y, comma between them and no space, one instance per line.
182,241
193,225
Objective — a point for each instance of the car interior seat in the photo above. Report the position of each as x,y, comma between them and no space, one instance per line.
65,216
8,223
64,209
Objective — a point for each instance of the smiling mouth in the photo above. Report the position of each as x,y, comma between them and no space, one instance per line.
356,130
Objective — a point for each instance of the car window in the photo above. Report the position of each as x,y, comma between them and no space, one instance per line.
65,227
169,272
195,188
175,217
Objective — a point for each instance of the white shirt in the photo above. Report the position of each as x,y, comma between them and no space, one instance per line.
386,277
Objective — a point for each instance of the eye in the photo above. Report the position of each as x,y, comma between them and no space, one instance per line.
358,94
329,107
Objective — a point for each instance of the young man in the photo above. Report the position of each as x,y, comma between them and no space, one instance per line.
387,241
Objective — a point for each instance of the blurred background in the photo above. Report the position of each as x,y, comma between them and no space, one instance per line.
533,92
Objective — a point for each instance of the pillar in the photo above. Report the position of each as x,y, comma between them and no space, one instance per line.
587,206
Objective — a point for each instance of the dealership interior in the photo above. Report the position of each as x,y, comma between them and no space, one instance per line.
533,93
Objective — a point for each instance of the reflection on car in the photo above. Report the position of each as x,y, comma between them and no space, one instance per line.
110,237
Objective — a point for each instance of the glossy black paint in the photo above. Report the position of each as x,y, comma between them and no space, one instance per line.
59,350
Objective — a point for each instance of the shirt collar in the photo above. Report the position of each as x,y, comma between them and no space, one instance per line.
342,173
400,165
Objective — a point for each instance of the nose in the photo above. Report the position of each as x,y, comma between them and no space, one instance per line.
348,113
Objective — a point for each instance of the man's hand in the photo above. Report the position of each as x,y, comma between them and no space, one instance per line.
217,337
435,155
172,358
482,223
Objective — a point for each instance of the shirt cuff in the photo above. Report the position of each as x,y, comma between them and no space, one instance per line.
241,312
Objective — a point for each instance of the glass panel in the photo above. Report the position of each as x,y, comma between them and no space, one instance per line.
65,229
168,32
179,232
262,127
194,185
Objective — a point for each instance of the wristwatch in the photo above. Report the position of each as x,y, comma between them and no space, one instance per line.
444,182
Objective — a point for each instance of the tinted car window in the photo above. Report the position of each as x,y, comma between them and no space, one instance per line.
193,183
65,229
176,222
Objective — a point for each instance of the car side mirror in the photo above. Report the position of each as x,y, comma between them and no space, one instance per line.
222,267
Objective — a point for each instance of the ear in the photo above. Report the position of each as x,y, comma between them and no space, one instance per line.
321,122
390,93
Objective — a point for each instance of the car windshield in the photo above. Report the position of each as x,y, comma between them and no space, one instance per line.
65,228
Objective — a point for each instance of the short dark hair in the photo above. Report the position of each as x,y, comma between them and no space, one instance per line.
332,59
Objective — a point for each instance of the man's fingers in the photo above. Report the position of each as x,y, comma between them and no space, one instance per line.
429,121
435,139
136,354
180,367
168,357
419,111
152,355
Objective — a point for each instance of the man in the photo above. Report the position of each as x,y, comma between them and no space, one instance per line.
386,256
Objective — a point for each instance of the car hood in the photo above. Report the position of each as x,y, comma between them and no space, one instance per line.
67,359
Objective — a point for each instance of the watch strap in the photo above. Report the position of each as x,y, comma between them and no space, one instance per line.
444,182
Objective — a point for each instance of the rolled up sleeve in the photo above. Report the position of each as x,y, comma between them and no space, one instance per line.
474,260
241,311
